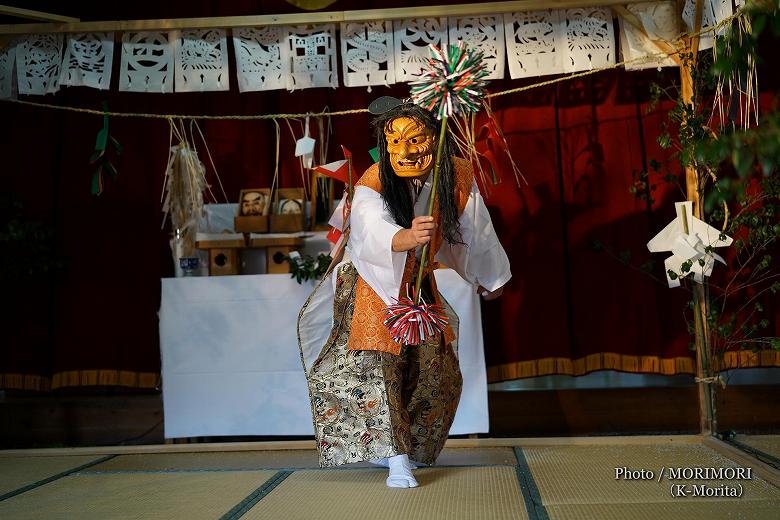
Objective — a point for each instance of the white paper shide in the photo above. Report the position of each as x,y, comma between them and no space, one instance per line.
202,61
484,33
535,43
147,62
412,40
259,61
88,60
38,61
367,53
311,52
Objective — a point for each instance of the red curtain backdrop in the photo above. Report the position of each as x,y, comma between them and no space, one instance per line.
569,309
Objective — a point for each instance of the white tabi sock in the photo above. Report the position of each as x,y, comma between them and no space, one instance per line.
385,464
400,472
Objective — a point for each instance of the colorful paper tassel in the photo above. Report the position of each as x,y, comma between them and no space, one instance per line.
412,324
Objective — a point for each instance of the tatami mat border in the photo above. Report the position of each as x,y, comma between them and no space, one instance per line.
52,478
531,495
249,502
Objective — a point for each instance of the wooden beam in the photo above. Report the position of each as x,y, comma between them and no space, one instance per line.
28,14
760,468
228,22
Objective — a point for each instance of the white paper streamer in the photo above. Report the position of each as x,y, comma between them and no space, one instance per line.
485,33
88,60
259,62
7,62
412,40
590,39
660,22
38,60
367,53
202,61
311,51
535,43
147,62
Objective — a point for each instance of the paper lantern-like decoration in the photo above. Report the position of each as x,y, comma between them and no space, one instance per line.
535,43
687,237
367,53
38,61
484,33
590,39
147,62
412,40
88,60
259,61
311,51
201,61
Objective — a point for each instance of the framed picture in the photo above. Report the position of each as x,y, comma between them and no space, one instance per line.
254,202
290,207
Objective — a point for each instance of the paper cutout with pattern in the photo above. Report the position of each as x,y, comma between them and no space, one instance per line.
7,62
367,53
485,33
38,61
590,39
660,22
311,51
412,40
88,60
259,62
535,43
712,13
147,62
202,61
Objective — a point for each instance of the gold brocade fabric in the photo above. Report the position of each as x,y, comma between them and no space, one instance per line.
368,404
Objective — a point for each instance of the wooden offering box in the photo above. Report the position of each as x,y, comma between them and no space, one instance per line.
275,248
254,224
288,211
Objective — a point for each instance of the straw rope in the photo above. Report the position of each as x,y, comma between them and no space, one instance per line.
252,117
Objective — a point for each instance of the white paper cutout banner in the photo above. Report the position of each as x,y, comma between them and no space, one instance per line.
411,40
535,43
713,12
660,22
147,62
38,60
311,51
485,33
88,60
367,53
259,62
202,61
7,62
590,39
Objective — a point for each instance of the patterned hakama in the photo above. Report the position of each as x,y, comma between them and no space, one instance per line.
369,404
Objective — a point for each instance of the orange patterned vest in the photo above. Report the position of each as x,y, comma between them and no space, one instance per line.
368,331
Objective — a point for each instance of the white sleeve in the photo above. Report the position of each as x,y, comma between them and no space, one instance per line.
481,259
370,245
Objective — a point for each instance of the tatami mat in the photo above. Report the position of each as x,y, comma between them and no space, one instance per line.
769,444
282,459
190,496
713,510
473,493
586,474
17,472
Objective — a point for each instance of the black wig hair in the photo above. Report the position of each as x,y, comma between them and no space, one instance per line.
396,192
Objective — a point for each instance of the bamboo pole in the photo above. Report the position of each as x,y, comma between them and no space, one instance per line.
706,389
227,22
29,14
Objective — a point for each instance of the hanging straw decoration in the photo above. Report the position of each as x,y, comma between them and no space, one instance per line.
453,84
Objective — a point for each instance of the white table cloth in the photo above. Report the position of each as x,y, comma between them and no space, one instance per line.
231,364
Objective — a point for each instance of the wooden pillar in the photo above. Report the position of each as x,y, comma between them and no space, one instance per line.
706,388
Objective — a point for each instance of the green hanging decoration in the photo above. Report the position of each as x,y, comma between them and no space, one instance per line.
99,157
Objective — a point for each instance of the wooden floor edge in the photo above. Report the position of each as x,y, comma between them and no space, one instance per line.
525,442
760,468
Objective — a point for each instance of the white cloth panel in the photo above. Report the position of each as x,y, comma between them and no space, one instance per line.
412,39
147,61
88,60
259,61
38,62
367,53
659,20
535,43
311,52
231,364
202,61
485,33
